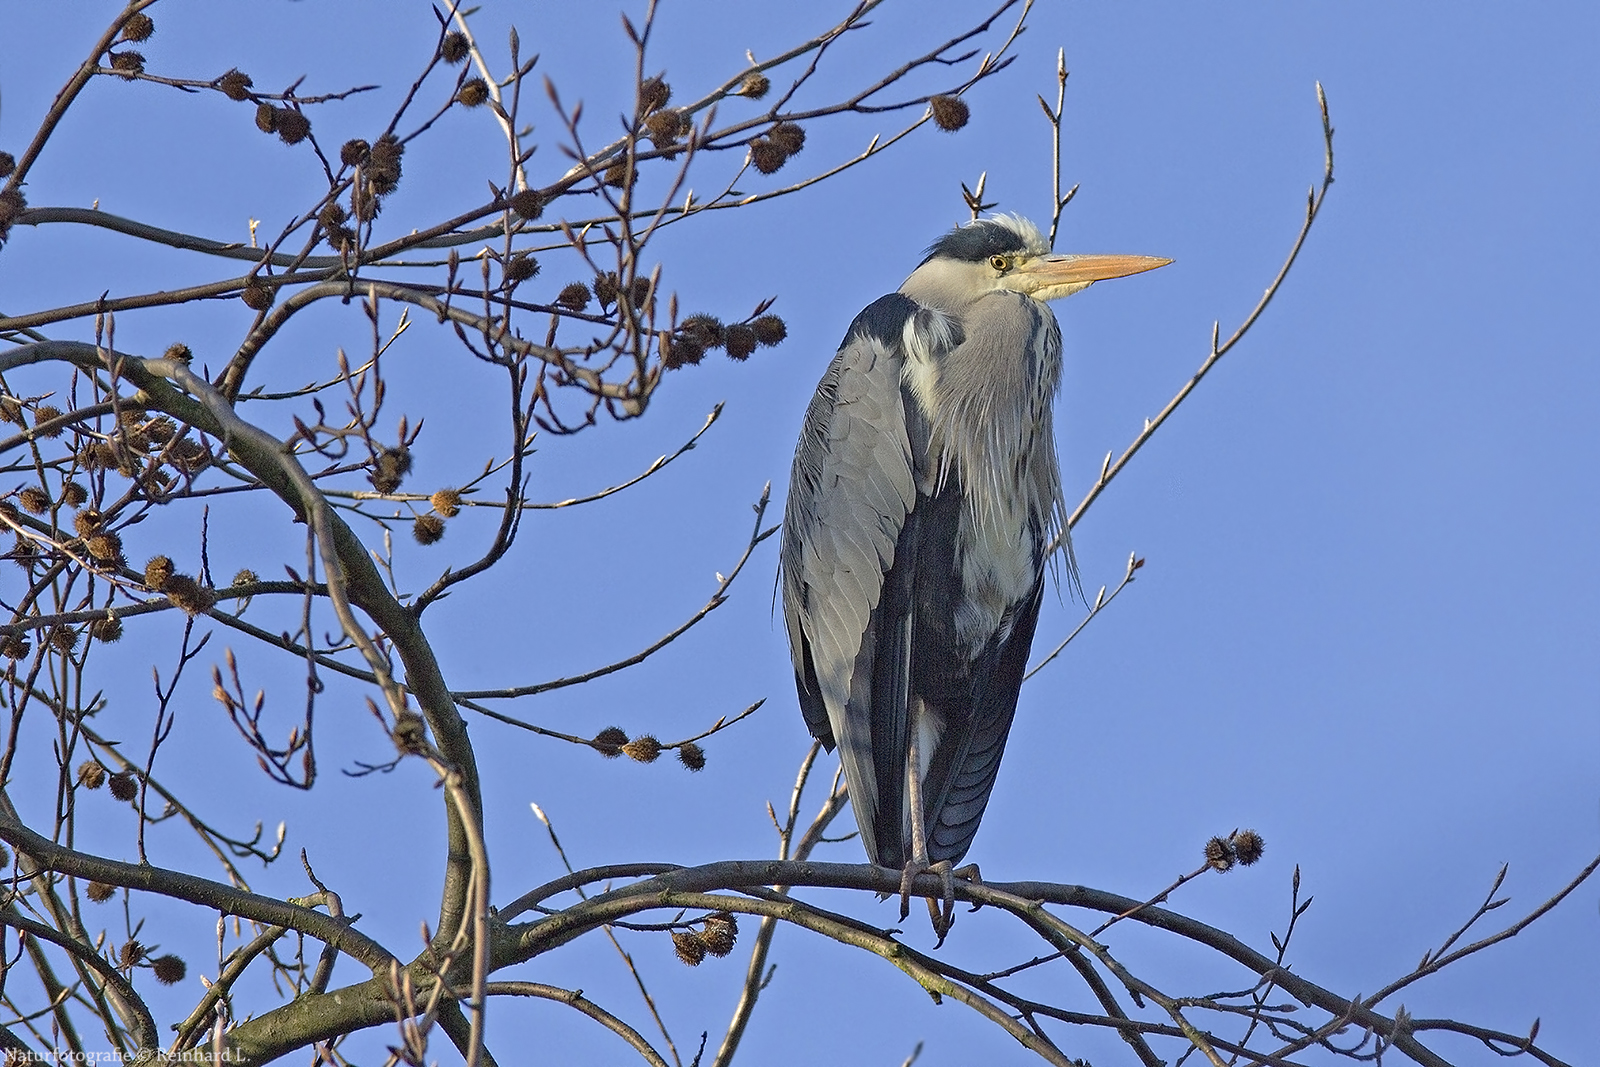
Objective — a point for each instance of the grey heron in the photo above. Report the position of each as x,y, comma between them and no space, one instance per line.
924,492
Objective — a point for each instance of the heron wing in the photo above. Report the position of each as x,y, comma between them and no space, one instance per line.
846,607
967,759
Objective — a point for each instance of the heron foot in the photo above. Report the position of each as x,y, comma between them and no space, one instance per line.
941,911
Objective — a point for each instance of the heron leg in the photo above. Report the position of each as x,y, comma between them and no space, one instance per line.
942,918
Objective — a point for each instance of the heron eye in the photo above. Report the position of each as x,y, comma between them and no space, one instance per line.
999,263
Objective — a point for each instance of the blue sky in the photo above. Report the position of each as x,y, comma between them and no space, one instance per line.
1367,625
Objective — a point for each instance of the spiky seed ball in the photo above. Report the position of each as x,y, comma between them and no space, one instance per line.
446,502
257,295
609,741
767,156
354,152
521,267
605,288
235,84
770,330
427,529
107,630
91,774
389,468
692,756
740,341
34,501
665,127
527,203
293,126
8,163
639,294
680,352
754,85
138,27
950,113
11,411
653,95
704,330
691,950
332,216
127,63
188,594
88,522
574,296
161,430
643,749
72,494
42,416
105,547
720,932
132,953
789,137
473,92
192,456
63,638
169,970
267,118
178,351
157,572
383,164
14,647
454,48
616,175
1248,847
123,785
99,892
1219,854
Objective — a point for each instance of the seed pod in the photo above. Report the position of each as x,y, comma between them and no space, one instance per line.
73,495
680,352
156,573
455,47
293,126
354,152
127,63
169,970
123,785
105,547
11,408
132,953
644,749
107,630
427,529
189,595
789,137
950,113
720,932
527,203
257,295
609,742
43,414
653,95
740,341
34,500
91,775
574,296
235,85
691,950
521,267
1219,854
767,156
446,502
616,175
605,288
13,646
63,638
704,330
754,85
99,892
178,351
267,118
138,27
473,93
692,756
88,522
1248,846
770,330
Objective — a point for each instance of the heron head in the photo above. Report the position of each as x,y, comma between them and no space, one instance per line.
1007,252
